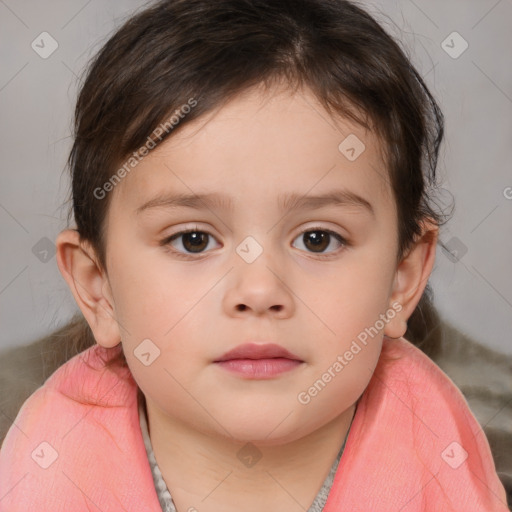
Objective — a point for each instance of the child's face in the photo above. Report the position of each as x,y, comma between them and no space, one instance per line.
310,294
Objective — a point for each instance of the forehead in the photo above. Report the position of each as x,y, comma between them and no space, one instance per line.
261,145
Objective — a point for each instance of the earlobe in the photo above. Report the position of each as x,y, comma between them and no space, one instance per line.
411,278
89,286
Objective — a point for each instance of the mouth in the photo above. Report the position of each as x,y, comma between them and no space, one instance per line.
258,361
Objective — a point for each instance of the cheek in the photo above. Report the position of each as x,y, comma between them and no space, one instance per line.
353,301
351,298
153,297
338,383
165,348
165,382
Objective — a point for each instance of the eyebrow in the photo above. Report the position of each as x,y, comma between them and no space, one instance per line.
287,202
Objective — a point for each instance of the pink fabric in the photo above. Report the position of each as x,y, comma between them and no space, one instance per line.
405,420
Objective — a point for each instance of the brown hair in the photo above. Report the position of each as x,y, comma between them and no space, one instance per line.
176,50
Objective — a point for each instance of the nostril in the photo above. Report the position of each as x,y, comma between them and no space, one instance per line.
243,307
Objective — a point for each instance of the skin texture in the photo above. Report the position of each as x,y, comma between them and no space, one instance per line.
196,307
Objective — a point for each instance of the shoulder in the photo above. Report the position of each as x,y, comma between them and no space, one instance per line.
427,397
84,380
71,428
416,443
405,366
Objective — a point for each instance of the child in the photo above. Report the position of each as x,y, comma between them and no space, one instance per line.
253,234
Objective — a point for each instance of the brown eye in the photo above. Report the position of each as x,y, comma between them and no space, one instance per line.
318,240
189,242
195,241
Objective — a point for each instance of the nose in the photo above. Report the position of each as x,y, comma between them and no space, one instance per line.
258,288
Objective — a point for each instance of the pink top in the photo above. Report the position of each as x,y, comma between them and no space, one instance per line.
414,445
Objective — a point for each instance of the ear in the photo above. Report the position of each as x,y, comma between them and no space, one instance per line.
89,285
411,279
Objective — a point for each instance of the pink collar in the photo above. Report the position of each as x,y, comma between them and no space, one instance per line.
77,444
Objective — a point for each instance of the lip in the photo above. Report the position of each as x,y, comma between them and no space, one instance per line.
258,351
258,361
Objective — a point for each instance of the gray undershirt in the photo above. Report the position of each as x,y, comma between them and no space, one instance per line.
164,496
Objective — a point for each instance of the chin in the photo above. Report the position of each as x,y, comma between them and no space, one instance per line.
266,430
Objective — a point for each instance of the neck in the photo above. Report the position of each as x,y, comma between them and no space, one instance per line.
207,473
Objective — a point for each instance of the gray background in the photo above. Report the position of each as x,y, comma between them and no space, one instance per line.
472,284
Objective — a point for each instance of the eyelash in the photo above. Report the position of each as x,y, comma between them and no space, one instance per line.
167,242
